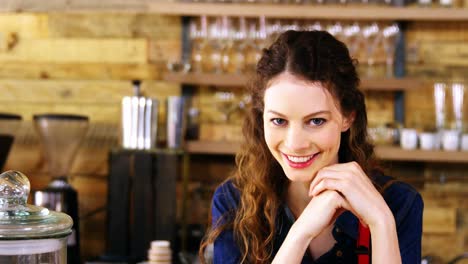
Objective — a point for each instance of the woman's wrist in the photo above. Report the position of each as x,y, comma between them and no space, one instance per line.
293,246
380,214
385,248
301,235
384,222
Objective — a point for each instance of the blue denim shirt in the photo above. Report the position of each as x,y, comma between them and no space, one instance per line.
404,201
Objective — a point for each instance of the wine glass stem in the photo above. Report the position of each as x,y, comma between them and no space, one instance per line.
370,65
389,66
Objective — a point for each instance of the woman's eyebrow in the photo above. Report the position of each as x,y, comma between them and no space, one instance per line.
323,112
307,116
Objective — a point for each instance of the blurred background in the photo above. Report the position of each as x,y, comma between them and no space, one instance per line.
162,82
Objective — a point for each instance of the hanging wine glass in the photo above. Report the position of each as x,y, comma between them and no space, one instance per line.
261,35
235,52
371,38
255,42
291,25
227,41
250,47
197,42
336,30
390,34
273,29
351,36
314,26
226,103
214,49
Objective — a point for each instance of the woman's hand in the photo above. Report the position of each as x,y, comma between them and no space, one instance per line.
334,189
365,202
320,213
352,183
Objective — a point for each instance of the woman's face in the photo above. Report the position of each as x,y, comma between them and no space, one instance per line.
302,126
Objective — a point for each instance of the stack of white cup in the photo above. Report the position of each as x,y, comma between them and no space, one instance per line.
160,252
447,140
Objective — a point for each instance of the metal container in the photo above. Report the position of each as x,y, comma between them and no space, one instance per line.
176,121
139,122
28,233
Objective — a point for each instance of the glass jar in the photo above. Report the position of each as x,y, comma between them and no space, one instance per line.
29,234
446,3
425,3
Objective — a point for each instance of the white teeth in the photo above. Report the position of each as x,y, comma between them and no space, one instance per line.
299,159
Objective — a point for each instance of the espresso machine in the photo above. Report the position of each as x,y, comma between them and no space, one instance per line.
60,136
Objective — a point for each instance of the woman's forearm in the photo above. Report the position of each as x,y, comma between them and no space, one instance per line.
293,248
385,248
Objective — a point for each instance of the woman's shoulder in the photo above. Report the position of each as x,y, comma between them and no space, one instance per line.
403,199
225,198
227,191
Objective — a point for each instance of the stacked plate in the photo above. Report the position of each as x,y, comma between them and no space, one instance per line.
160,252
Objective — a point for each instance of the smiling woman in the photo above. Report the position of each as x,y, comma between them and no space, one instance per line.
307,186
303,137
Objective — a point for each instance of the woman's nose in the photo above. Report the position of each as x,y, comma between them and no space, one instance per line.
296,138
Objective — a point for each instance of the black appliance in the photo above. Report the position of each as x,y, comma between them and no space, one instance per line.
8,125
60,136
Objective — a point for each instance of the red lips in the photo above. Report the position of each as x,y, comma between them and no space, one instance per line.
299,165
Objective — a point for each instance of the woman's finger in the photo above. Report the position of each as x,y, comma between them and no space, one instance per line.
322,174
327,184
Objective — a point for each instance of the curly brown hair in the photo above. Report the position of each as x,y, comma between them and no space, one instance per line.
314,56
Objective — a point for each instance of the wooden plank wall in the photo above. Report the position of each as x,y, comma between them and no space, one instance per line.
83,63
73,5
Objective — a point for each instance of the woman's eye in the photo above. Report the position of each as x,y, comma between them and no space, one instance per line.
278,121
317,121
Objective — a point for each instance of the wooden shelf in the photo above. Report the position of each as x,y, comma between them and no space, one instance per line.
399,154
390,153
350,12
239,80
207,79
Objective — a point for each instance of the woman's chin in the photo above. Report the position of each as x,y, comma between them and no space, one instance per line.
305,178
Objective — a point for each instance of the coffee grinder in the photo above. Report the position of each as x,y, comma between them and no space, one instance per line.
60,136
9,124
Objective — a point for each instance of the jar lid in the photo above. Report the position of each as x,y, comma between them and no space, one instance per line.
19,220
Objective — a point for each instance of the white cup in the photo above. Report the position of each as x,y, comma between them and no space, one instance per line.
438,139
408,138
464,142
450,140
427,140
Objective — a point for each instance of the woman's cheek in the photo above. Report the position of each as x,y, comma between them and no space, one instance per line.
328,139
272,138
